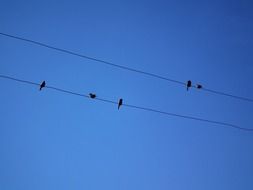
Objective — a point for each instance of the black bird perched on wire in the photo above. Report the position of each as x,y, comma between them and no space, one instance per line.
199,86
92,95
42,85
120,103
189,84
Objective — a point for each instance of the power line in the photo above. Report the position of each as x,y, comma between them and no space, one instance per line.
224,124
228,95
123,67
92,58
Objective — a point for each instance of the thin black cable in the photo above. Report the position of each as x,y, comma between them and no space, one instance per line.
228,95
67,91
122,67
132,106
91,58
189,117
19,80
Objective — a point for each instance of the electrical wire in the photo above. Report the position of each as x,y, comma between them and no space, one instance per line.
224,124
123,67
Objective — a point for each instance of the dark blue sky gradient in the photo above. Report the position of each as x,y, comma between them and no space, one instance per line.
53,141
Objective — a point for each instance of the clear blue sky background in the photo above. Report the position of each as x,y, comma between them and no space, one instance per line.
50,140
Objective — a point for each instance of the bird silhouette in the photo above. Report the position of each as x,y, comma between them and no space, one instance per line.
92,95
189,84
199,86
120,103
42,85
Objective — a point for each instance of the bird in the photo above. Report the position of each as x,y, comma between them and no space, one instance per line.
189,84
92,95
120,103
199,86
42,85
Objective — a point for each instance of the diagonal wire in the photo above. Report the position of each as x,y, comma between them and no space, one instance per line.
123,67
92,58
224,124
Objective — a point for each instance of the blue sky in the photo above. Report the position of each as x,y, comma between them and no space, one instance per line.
52,141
